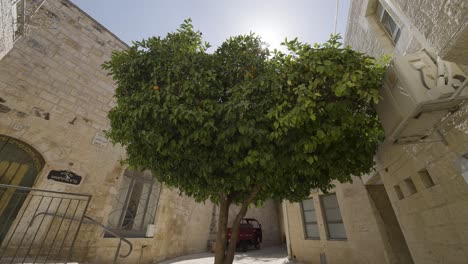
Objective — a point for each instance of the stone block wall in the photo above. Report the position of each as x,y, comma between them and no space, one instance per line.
431,217
267,215
439,26
6,27
364,243
443,23
182,227
55,97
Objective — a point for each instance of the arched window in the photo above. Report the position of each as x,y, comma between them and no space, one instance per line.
134,207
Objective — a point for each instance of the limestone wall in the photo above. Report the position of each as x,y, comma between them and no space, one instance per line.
443,23
364,243
433,219
6,27
55,97
439,26
182,227
267,216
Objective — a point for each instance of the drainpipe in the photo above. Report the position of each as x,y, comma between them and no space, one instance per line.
286,229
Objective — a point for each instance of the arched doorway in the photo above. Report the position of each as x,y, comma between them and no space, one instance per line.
19,165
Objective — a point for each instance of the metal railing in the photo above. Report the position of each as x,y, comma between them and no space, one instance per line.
47,239
27,235
95,222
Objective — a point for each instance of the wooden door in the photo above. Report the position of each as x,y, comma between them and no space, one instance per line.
19,166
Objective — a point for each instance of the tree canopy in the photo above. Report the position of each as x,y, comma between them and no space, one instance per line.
241,119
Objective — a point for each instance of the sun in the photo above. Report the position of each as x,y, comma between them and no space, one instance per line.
271,36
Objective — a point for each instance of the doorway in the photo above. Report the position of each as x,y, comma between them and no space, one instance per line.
19,166
394,242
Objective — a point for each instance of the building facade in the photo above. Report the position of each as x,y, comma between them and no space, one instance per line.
414,208
54,99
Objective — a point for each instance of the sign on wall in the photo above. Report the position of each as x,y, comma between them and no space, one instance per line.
64,177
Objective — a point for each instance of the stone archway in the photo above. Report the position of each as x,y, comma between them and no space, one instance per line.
20,165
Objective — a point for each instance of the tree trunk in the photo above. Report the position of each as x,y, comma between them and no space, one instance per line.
221,235
229,258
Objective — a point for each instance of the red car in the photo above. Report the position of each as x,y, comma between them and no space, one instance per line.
250,233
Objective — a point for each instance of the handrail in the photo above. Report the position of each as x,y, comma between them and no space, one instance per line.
93,221
43,190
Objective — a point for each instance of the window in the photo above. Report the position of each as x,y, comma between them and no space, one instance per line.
309,219
388,23
332,217
426,178
135,205
17,9
398,192
410,187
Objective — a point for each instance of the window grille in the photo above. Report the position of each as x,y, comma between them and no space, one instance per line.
135,205
332,217
388,23
18,13
309,219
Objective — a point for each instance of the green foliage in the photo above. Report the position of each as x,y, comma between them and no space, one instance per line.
217,124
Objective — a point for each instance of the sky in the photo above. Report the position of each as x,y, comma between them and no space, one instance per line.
311,21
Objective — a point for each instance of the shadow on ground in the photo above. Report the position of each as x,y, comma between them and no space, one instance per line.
269,255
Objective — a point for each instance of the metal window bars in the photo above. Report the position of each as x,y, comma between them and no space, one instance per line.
18,12
42,226
135,205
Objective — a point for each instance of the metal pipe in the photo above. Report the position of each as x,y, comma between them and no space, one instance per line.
6,186
91,220
16,226
286,229
78,228
48,230
25,232
56,233
68,230
117,251
35,235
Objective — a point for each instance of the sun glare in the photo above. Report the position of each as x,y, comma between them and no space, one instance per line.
271,37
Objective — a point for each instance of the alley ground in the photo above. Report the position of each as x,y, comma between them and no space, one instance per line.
269,255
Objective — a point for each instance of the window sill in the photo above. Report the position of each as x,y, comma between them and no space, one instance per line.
337,239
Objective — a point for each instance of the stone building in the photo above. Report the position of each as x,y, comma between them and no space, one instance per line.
414,208
54,99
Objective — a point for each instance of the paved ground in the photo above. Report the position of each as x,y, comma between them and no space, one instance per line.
269,255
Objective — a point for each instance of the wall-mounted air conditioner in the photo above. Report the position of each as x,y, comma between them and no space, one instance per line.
417,93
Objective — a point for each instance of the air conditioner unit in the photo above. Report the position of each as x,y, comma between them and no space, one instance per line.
417,93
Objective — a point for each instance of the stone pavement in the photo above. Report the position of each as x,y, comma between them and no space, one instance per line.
269,255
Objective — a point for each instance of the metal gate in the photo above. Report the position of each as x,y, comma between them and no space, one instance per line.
38,231
39,226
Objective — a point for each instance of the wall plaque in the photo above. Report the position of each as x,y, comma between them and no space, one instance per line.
100,139
64,176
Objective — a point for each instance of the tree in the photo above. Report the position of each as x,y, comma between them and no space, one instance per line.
241,125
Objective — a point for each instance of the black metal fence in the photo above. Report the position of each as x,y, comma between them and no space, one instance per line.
39,226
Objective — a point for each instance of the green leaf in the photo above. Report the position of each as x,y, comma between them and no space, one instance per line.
321,134
223,122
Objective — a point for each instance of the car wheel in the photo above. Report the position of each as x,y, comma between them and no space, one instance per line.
244,246
257,244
